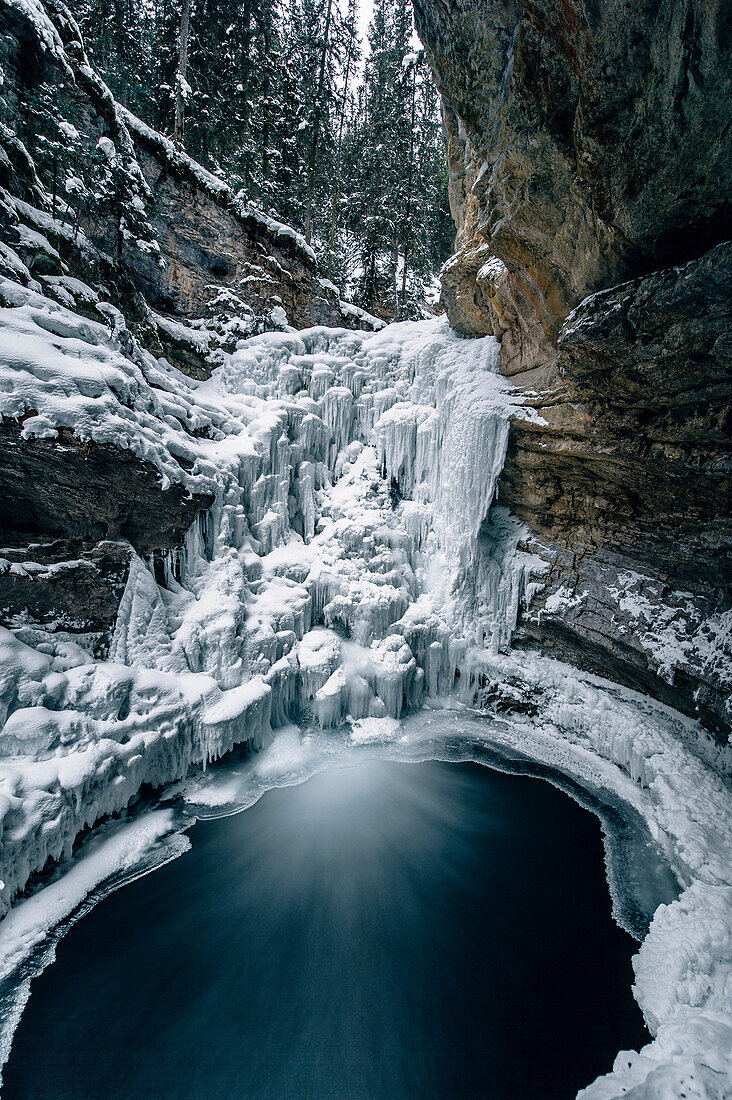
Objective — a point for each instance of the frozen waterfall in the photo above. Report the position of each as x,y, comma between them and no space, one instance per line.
355,562
349,565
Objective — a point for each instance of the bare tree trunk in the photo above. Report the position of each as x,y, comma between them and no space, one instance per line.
407,235
316,126
245,74
265,100
337,183
180,76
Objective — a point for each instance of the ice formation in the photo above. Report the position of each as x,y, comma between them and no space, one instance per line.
351,474
354,562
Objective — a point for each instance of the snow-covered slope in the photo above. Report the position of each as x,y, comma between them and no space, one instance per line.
89,192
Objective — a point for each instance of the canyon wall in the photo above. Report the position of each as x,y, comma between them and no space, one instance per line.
589,151
71,147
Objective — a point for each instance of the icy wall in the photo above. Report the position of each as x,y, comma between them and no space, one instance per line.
349,563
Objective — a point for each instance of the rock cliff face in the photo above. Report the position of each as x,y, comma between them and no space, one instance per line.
70,513
208,243
588,142
589,145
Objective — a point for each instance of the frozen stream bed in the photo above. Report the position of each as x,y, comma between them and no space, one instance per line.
380,929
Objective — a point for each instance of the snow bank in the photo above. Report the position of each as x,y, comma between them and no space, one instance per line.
119,850
48,36
29,933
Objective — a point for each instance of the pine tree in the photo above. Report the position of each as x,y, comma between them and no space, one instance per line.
344,112
397,170
273,96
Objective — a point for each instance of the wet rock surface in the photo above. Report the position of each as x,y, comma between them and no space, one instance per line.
71,585
94,491
634,453
629,479
70,512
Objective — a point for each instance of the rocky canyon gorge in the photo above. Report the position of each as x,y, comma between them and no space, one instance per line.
239,514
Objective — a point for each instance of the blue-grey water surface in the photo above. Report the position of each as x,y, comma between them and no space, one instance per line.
386,930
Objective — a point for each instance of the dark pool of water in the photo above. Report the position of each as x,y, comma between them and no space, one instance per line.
383,931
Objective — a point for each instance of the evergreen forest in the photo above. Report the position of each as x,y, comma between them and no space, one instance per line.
340,138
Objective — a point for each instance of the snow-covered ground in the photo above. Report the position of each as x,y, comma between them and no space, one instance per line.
347,570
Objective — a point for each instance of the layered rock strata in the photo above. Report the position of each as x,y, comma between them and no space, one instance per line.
588,146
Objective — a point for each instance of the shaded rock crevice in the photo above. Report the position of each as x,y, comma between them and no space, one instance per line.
70,513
